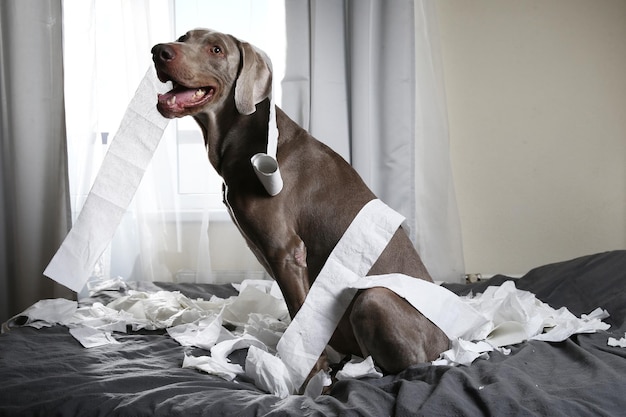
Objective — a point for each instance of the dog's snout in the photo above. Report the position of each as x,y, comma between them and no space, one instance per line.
163,52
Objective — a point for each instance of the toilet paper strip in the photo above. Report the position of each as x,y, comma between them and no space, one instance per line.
265,164
440,305
121,172
308,334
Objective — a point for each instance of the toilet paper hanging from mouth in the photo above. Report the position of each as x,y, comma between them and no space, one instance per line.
115,185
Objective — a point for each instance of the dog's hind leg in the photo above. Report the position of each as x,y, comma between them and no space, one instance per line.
393,332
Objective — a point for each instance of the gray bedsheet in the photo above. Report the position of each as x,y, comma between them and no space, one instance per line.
47,372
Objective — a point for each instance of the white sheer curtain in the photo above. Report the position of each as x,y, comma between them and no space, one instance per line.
365,77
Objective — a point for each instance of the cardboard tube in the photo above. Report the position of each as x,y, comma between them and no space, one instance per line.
266,169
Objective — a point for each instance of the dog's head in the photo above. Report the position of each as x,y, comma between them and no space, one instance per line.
204,66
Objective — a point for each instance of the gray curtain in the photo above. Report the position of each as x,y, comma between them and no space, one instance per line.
34,198
365,77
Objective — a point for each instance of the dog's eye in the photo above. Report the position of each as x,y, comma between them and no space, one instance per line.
183,38
216,50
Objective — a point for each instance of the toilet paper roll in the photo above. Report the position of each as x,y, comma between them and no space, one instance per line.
121,172
266,169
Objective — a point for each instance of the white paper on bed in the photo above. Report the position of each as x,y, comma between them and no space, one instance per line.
617,342
359,368
203,333
121,172
90,337
92,326
268,372
227,371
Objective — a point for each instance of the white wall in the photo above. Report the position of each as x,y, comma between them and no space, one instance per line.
536,95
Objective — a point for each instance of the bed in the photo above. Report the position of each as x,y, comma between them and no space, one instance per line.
47,372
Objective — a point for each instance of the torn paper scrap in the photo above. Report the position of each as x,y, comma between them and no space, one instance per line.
227,371
359,368
269,373
46,313
617,342
101,284
505,303
221,350
515,316
265,328
263,285
202,333
164,309
464,352
119,176
253,300
101,317
90,337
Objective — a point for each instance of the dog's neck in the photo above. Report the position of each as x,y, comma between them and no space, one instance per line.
232,138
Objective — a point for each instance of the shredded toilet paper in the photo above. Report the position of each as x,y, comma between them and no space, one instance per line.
200,323
617,342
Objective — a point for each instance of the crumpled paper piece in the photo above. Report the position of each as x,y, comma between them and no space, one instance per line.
253,300
101,284
90,337
359,368
515,316
47,313
617,342
163,309
227,371
269,373
202,333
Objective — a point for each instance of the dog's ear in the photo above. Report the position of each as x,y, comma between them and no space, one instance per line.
254,83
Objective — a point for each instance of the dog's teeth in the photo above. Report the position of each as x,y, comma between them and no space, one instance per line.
171,101
199,93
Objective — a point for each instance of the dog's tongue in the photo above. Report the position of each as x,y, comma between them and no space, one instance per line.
180,96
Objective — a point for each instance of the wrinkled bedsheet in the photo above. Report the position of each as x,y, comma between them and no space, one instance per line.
47,372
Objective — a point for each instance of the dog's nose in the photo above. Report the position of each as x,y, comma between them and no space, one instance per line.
163,52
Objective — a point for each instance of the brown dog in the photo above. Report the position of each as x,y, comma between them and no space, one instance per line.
224,84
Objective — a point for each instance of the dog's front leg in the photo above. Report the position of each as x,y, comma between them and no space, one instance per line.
289,268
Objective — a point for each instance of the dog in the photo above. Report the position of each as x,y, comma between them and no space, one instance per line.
225,84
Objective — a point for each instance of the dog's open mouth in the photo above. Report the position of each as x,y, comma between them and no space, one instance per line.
183,100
